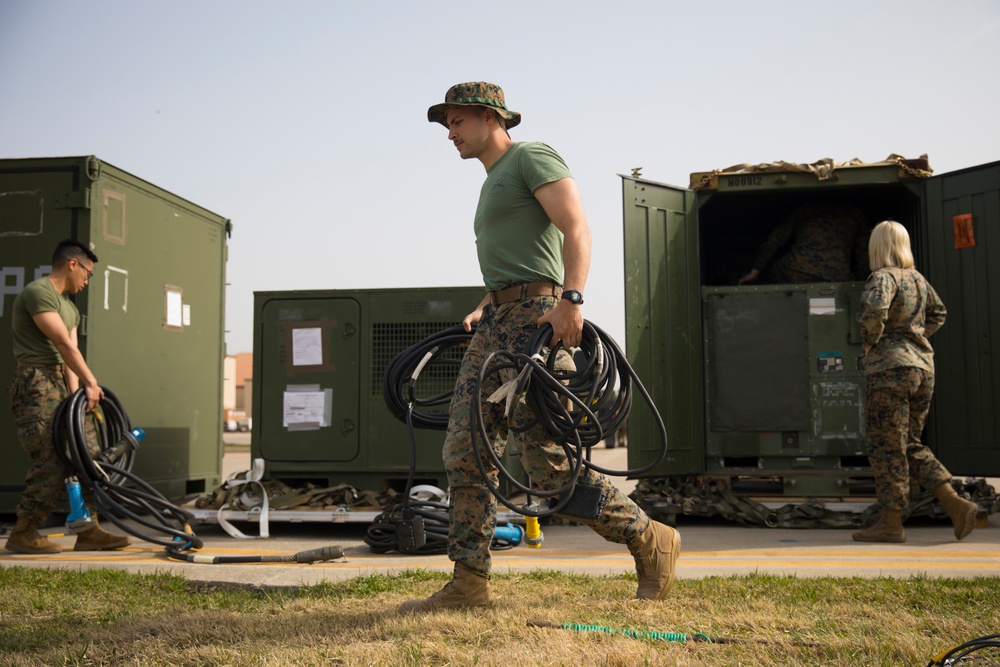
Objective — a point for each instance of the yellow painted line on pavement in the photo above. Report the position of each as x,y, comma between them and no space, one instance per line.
915,552
915,559
846,552
688,560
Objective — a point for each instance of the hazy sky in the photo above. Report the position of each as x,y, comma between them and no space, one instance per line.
305,122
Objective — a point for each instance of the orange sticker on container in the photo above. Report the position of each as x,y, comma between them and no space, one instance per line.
964,238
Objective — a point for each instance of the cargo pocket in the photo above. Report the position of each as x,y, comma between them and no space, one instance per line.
31,399
34,436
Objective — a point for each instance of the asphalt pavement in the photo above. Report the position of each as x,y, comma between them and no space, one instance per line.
710,548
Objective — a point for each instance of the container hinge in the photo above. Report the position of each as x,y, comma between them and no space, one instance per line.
79,199
82,329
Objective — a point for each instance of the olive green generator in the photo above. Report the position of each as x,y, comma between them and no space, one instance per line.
760,384
152,317
319,359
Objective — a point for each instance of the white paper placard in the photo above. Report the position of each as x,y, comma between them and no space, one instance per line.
307,347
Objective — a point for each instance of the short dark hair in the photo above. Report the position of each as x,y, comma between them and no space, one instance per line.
70,249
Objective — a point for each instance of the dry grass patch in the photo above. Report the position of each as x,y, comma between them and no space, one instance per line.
92,618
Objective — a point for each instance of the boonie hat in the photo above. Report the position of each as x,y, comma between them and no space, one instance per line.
477,94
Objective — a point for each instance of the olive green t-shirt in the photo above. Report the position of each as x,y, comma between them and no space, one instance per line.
515,240
30,344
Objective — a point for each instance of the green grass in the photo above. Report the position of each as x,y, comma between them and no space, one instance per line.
107,617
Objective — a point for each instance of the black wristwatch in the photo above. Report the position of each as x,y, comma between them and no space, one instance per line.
573,296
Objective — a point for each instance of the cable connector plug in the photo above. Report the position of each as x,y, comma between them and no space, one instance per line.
533,536
410,533
320,554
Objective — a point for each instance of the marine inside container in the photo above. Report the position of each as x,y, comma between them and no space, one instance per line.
732,226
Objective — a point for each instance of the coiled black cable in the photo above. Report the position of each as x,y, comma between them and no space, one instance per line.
383,535
107,475
599,393
120,495
595,411
111,423
400,378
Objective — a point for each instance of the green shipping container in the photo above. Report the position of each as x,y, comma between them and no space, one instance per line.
152,327
762,383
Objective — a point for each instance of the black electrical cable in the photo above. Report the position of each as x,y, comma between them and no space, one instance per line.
599,393
955,655
106,475
308,556
595,410
400,377
383,535
110,422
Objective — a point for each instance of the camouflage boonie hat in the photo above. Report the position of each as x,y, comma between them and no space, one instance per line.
476,93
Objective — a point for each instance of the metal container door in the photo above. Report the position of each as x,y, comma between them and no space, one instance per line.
663,336
309,409
962,261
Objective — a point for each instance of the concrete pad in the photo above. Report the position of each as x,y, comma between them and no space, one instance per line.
710,548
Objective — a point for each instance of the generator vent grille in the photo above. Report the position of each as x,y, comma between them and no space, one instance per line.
391,338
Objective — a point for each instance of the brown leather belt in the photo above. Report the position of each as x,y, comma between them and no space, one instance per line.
523,291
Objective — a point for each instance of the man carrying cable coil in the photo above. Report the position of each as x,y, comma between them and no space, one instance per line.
50,368
533,243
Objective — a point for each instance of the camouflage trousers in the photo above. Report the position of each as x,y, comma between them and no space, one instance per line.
896,404
35,395
472,509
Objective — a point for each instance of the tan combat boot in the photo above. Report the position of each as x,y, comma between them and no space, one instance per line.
467,588
655,553
24,539
961,511
96,538
888,528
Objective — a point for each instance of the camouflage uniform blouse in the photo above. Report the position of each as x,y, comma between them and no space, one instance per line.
899,311
826,240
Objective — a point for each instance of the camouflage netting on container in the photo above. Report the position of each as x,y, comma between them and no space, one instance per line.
667,499
823,168
307,497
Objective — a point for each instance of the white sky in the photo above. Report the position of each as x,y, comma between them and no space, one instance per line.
305,122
